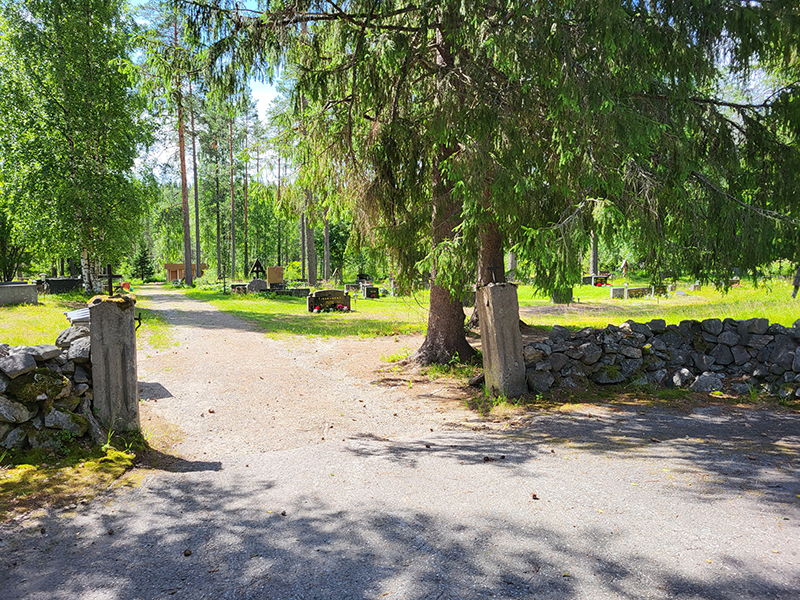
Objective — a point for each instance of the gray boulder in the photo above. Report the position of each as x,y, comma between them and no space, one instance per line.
657,325
15,412
257,285
45,352
591,353
560,334
17,363
729,338
68,421
540,382
722,354
706,383
712,326
80,350
4,381
17,439
754,326
70,334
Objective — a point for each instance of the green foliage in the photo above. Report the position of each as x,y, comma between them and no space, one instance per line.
143,264
71,127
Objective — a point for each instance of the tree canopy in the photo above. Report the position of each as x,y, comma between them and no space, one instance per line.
71,129
543,121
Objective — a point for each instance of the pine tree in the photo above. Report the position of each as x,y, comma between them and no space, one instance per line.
143,264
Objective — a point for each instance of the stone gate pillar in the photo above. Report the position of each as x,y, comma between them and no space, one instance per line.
503,361
113,337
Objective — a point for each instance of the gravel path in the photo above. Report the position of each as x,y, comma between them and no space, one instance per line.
616,502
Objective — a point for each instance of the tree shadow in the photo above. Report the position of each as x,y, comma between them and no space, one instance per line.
197,536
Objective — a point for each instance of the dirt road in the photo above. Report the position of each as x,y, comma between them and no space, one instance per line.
309,480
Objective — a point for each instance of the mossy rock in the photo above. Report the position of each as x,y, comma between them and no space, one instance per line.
45,439
70,403
37,386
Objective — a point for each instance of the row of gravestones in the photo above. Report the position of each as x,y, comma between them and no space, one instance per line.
704,356
46,393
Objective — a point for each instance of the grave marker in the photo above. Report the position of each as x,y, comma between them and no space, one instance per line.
327,299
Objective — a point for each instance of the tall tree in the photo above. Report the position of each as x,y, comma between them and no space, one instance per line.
70,142
532,116
167,64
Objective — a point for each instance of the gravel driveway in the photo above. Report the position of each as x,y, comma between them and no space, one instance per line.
296,477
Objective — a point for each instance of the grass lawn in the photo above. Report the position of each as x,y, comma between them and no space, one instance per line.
284,315
596,309
31,325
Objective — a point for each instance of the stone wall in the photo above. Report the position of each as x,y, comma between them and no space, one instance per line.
46,393
703,356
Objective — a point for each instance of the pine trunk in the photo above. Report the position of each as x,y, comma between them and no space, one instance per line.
187,229
219,232
303,246
327,267
233,205
246,210
198,268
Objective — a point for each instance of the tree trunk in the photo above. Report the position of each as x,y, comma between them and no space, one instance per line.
303,246
327,266
311,255
233,206
595,266
198,268
445,337
90,269
219,232
490,257
246,210
278,216
187,230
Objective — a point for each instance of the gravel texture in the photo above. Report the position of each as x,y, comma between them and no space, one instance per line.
611,502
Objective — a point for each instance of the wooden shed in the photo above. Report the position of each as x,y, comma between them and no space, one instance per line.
177,271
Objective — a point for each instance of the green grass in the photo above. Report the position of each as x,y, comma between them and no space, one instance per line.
284,315
595,309
30,325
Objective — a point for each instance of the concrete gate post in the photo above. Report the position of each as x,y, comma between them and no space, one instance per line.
113,337
503,361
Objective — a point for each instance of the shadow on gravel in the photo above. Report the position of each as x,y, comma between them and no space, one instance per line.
199,539
723,449
161,461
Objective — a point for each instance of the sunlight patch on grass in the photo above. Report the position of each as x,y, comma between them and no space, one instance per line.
285,315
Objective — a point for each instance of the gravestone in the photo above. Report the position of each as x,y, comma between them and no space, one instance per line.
638,292
369,291
594,280
659,290
327,299
113,355
503,360
61,285
257,270
18,292
695,287
257,285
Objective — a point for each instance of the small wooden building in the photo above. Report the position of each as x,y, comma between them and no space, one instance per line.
177,271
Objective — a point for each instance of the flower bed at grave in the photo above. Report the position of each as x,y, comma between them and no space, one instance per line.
337,308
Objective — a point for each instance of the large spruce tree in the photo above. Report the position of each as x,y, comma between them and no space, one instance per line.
533,123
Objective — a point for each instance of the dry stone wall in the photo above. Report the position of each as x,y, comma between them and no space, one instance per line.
46,393
703,356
